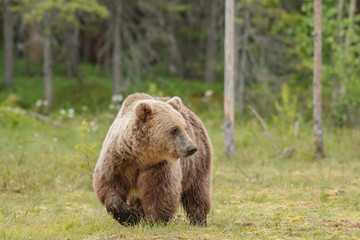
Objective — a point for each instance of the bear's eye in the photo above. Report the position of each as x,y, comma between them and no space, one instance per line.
175,131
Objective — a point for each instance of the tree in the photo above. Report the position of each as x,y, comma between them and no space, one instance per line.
8,21
72,55
117,75
47,62
352,8
319,145
243,62
229,76
211,44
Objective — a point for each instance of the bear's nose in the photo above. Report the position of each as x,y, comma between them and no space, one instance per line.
191,150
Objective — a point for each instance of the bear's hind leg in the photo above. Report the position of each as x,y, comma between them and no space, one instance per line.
197,205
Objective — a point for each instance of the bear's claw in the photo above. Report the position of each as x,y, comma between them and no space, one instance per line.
122,212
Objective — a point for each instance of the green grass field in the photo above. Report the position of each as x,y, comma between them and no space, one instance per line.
45,173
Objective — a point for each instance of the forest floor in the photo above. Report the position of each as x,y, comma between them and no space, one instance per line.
46,192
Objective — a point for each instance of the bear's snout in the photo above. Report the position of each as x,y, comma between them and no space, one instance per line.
191,150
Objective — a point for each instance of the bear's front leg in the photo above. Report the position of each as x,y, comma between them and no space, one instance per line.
113,193
161,187
121,211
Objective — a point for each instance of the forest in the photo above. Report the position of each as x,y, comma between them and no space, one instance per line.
285,163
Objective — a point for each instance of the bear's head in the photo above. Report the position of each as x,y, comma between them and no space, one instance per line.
163,130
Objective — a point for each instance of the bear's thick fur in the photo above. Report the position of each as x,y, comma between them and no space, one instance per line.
156,154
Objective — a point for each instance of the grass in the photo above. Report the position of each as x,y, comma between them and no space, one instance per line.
46,191
45,183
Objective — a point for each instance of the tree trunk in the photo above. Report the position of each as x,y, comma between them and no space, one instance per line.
349,31
34,51
229,76
211,44
338,84
117,75
8,46
243,63
340,19
176,65
72,61
48,64
86,47
319,146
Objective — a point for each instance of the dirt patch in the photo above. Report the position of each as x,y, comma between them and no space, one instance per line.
246,224
343,223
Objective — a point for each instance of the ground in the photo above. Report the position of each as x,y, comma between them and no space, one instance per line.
45,184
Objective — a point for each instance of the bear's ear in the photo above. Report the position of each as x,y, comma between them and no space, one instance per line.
143,111
175,102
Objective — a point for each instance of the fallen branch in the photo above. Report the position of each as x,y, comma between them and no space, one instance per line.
32,114
267,132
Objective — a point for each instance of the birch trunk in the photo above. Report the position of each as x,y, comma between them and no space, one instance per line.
229,76
319,145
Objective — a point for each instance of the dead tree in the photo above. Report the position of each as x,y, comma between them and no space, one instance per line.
229,76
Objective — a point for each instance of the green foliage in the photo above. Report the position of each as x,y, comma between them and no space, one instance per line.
60,11
154,91
88,151
286,109
12,100
340,61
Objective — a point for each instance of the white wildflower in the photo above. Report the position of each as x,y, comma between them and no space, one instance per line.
38,103
62,112
55,139
92,123
84,108
117,98
71,112
112,106
46,102
93,126
209,93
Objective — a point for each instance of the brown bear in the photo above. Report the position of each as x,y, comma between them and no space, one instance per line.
156,154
